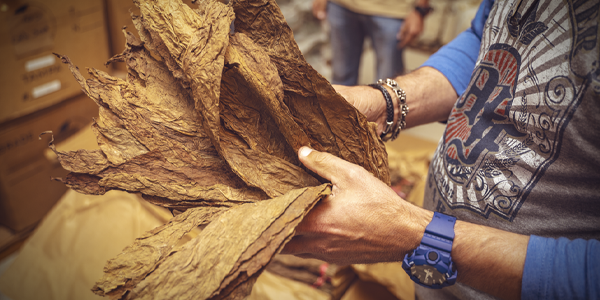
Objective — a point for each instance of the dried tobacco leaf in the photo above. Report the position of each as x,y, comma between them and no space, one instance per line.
271,173
193,45
252,104
84,183
212,267
153,110
331,123
131,266
206,121
256,83
251,100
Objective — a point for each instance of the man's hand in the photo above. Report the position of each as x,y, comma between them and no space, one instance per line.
412,27
319,9
362,221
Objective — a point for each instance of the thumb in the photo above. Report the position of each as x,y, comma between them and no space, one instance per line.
326,165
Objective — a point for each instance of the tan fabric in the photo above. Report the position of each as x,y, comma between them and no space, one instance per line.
385,8
66,254
274,287
367,290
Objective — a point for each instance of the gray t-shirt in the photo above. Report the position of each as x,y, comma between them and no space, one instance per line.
521,151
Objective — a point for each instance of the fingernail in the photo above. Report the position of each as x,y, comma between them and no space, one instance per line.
305,151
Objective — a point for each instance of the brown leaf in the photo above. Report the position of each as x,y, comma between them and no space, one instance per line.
332,124
252,101
194,45
84,183
149,130
211,265
207,121
131,266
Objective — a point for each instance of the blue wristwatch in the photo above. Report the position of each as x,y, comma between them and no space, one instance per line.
430,265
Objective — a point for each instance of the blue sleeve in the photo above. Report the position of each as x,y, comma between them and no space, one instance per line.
561,269
456,60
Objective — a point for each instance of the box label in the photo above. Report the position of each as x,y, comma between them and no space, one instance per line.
40,62
46,88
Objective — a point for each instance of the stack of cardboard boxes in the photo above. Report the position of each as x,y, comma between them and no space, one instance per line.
39,93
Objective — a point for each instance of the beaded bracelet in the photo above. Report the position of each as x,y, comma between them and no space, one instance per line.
401,123
390,109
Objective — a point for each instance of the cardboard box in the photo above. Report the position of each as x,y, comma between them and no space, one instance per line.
26,191
31,77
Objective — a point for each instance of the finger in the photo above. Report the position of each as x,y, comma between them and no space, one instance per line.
315,222
409,38
326,165
401,33
340,89
319,13
303,247
319,9
300,246
401,44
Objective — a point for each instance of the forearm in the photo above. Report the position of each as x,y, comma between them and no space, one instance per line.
429,95
489,259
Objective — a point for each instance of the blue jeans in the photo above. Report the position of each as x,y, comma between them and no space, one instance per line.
348,32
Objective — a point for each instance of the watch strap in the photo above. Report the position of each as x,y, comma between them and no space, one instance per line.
439,233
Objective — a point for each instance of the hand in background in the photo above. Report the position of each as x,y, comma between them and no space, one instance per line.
319,9
362,221
412,27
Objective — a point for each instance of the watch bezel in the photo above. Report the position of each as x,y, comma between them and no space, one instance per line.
418,257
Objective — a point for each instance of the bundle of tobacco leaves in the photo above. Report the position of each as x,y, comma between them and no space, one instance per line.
208,122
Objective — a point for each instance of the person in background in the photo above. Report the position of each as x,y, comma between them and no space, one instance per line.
390,24
512,200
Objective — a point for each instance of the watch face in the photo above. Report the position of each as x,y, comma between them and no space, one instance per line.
427,274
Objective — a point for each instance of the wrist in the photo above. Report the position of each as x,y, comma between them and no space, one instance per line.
407,86
394,102
413,229
396,108
378,112
422,8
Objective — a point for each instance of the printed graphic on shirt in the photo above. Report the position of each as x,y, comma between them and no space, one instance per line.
505,130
